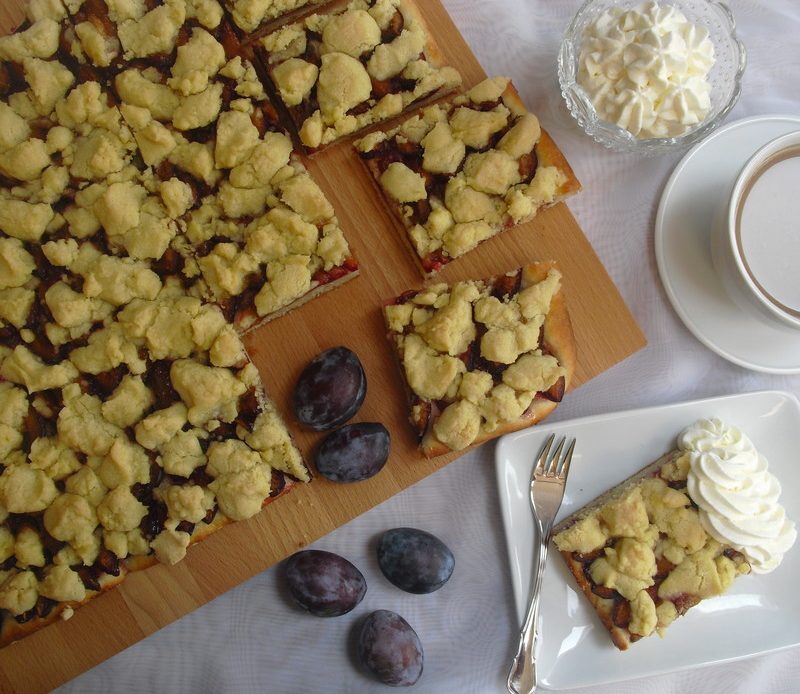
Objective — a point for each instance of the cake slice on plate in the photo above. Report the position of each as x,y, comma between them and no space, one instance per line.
677,532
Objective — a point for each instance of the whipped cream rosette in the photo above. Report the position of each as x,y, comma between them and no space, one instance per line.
736,494
646,69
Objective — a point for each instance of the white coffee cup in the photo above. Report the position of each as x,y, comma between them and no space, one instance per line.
756,243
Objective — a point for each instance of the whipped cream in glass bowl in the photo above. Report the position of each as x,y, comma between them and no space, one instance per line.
736,494
651,77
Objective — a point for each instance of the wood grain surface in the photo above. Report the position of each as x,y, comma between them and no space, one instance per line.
605,334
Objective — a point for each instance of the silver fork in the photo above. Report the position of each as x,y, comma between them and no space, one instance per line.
548,480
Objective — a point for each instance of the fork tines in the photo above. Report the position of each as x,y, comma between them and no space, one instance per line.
555,465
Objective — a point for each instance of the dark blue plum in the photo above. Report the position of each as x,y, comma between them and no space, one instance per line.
330,390
324,583
353,453
390,649
415,561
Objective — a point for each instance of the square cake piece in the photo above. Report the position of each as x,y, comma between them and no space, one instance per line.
339,72
459,173
238,215
641,555
482,358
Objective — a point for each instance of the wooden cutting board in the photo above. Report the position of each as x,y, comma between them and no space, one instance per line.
605,333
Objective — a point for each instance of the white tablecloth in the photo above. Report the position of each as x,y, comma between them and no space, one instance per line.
251,640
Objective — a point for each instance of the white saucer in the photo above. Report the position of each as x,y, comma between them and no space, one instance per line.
693,196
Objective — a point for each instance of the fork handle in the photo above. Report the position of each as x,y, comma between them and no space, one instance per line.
522,676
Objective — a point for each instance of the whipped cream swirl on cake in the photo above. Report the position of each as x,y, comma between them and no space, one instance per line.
736,494
646,69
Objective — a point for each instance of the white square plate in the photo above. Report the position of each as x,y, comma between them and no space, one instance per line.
759,614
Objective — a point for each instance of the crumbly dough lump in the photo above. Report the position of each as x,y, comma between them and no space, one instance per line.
338,73
472,356
647,546
131,29
190,93
461,172
250,15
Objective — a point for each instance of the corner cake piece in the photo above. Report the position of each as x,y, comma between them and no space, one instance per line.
482,358
142,435
641,555
338,73
459,173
